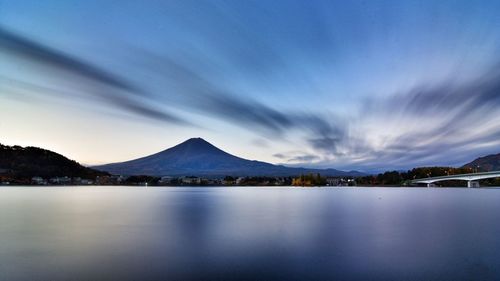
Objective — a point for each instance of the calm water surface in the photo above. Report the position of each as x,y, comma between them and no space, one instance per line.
135,233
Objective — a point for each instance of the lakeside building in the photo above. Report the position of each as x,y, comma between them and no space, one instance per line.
109,180
166,180
38,181
333,181
190,180
60,180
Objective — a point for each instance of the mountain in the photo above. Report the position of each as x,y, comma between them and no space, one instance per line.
486,163
198,157
26,162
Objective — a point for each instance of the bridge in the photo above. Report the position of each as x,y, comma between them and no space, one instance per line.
472,179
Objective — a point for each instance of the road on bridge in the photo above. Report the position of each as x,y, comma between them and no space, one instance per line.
472,179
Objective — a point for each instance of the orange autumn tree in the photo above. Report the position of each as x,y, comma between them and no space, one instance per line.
309,180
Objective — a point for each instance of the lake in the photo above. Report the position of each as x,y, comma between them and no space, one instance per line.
249,233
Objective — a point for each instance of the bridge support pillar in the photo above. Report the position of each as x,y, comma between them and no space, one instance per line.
471,184
431,185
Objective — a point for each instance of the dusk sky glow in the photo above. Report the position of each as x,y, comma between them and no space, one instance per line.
366,85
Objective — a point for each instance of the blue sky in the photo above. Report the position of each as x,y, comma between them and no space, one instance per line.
368,85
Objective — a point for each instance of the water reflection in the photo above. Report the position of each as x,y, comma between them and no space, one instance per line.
83,233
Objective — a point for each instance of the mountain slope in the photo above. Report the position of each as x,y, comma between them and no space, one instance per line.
27,162
486,163
198,157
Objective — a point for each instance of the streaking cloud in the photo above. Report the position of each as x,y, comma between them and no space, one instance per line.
328,84
106,85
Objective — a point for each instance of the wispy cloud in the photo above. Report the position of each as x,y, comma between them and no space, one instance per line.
209,97
282,74
450,123
29,49
304,158
93,79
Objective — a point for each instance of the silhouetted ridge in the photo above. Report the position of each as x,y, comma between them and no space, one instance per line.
198,157
485,163
27,162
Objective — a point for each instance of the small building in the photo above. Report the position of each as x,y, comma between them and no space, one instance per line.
38,181
165,180
60,180
239,180
109,180
333,181
191,180
86,182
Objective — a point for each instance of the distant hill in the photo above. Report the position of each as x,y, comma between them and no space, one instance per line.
486,163
197,157
27,162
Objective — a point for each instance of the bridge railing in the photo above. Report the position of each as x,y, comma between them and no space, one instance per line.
470,176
